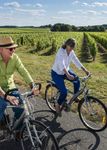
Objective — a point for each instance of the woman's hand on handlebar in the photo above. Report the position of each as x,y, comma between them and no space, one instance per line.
85,70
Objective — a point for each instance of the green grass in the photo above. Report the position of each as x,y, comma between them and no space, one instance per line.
23,30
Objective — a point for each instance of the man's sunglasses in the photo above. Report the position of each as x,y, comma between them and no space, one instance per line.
11,49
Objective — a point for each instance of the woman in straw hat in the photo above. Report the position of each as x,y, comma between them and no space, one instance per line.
61,71
9,62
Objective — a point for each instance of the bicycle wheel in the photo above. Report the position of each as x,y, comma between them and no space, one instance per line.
42,137
93,113
51,96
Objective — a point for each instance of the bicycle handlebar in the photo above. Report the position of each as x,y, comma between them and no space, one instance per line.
85,78
30,93
38,86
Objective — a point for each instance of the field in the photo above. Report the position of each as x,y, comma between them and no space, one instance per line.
37,49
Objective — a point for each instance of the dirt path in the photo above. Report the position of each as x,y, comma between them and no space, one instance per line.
68,129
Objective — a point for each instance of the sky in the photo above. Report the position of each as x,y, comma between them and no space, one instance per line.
42,12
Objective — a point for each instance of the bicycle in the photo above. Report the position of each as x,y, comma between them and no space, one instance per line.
92,112
34,135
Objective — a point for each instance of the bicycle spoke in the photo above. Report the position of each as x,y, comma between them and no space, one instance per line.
41,136
93,114
51,96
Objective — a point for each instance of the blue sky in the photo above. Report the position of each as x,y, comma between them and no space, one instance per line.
41,12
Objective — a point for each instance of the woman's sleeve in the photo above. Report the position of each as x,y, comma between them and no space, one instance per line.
76,61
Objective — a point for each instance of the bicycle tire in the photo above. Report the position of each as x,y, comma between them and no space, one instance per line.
93,104
44,133
51,101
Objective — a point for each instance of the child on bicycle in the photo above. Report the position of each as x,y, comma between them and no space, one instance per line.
61,71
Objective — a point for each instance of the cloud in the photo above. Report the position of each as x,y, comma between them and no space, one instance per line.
75,2
93,12
57,17
38,12
24,8
62,18
28,5
7,18
12,4
64,12
94,4
39,5
100,4
85,4
104,12
87,12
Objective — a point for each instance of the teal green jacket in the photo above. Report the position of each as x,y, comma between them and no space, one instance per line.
7,72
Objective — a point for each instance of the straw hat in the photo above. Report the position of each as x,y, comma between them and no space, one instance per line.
7,42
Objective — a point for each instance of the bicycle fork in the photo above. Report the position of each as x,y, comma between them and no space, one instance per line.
88,104
28,128
30,134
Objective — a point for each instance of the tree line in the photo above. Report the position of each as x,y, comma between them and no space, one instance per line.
67,27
